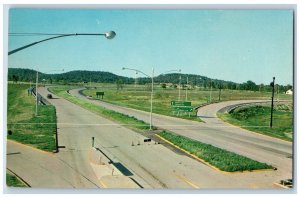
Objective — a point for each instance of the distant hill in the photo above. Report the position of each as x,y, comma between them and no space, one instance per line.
79,76
68,77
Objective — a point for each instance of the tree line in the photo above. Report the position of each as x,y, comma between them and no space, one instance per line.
175,79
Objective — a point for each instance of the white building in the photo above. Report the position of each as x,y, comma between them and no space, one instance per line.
289,92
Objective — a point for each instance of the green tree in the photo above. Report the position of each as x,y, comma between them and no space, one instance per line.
120,84
15,78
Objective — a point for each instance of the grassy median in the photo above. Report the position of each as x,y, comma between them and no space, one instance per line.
37,131
220,158
130,121
257,119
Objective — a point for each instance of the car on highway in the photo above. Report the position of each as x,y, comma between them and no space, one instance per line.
49,96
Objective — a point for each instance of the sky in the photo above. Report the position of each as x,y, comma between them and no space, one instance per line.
233,45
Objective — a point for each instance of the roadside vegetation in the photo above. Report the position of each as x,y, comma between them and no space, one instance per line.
13,181
222,159
130,121
138,97
257,119
25,127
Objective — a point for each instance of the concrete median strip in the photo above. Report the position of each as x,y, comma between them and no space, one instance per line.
107,173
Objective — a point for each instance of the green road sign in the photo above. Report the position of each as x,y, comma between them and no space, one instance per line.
183,108
99,93
181,103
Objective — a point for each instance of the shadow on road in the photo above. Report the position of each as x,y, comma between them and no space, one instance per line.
16,153
122,169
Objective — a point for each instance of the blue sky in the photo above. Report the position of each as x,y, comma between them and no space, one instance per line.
235,45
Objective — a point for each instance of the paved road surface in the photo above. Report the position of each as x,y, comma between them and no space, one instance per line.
214,131
40,169
151,165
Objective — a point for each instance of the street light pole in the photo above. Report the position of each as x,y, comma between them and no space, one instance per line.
272,104
36,92
108,35
179,88
210,90
152,89
151,98
187,82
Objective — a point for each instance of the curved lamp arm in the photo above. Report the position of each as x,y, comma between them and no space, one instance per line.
108,35
136,71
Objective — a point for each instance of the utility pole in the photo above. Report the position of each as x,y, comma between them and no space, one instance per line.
187,82
210,90
135,82
151,107
272,84
36,92
277,92
179,88
219,94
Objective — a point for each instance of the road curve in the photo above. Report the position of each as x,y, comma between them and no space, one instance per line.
218,133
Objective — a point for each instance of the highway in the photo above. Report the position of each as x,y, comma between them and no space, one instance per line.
148,164
218,133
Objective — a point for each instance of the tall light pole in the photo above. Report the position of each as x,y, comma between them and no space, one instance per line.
108,35
210,90
272,84
179,88
187,82
36,89
36,92
135,82
151,98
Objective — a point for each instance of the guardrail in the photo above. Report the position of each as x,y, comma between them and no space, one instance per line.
42,100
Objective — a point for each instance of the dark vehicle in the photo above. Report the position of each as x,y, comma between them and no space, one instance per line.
49,96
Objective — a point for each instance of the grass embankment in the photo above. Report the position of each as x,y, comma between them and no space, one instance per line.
130,121
13,181
26,128
222,159
138,97
257,119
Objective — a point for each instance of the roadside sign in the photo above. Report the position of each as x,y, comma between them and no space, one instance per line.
183,108
100,93
181,103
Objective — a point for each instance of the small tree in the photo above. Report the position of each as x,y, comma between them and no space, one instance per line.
120,84
15,78
164,85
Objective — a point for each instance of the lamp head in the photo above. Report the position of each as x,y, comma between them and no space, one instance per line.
110,35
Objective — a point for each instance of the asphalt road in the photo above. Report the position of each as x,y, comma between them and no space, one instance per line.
214,131
151,165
